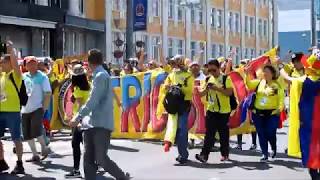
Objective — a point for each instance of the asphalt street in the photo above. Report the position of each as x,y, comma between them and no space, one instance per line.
146,160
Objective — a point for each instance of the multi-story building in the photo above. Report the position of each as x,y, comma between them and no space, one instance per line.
208,29
211,28
31,25
55,28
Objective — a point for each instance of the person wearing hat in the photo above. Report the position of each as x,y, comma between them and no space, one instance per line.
179,129
304,118
39,92
10,117
196,71
81,91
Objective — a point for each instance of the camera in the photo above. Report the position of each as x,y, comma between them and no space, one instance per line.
3,47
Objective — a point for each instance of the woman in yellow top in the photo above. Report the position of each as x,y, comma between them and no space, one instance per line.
81,91
267,105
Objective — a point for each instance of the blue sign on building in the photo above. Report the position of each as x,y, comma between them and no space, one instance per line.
140,9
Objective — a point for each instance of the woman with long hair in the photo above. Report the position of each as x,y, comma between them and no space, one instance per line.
81,90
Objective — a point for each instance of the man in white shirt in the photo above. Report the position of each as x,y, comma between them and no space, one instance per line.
39,92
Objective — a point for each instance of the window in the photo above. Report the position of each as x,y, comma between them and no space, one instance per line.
265,29
81,8
219,18
260,27
237,22
252,26
41,2
193,16
246,24
45,42
74,44
213,12
156,8
260,52
213,50
171,9
253,53
180,46
170,47
230,52
155,48
193,49
246,53
230,22
238,54
200,16
180,11
221,50
116,5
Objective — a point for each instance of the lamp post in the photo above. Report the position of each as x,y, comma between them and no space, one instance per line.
129,30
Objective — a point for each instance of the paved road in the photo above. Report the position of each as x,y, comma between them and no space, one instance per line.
147,161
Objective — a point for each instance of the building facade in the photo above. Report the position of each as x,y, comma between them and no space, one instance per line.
201,31
55,28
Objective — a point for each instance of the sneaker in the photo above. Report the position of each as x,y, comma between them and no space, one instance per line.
264,159
273,154
73,174
181,160
45,153
3,166
253,147
224,158
167,146
126,177
239,147
18,169
34,158
201,158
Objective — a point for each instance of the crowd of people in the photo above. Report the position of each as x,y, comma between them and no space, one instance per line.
25,98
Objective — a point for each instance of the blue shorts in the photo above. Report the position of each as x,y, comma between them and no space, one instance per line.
11,120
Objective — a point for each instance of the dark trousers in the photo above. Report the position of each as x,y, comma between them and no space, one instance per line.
182,135
96,144
216,122
266,127
315,174
253,138
76,141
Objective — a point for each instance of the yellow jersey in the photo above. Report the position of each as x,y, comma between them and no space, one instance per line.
184,78
217,101
268,96
9,98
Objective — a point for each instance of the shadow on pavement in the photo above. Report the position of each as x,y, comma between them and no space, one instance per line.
121,148
247,165
45,166
23,177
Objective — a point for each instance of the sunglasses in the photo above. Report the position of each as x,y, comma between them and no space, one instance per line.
212,70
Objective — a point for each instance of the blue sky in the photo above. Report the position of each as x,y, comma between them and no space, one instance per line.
294,15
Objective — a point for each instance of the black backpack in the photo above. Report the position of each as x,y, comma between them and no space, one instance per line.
233,100
174,99
23,96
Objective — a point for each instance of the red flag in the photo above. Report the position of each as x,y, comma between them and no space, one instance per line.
255,64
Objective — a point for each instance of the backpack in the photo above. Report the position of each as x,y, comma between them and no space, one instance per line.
23,96
232,98
174,99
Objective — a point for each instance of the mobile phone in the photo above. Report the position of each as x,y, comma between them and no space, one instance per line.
210,85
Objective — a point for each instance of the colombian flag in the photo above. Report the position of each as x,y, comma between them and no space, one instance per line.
304,127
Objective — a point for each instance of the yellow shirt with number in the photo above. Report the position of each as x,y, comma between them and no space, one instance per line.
268,97
180,77
10,101
216,98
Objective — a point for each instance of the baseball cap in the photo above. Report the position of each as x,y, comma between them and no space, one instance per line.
78,70
194,63
29,59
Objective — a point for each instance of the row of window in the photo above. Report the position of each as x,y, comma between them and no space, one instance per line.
52,3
